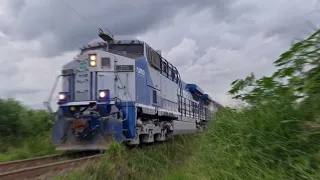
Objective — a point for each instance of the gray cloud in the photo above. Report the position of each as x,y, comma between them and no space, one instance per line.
9,10
303,21
14,92
60,29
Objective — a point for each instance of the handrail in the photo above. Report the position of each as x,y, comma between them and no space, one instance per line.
47,103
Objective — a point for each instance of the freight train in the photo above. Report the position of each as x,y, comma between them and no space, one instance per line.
125,91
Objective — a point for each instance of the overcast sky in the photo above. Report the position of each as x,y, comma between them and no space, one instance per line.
212,42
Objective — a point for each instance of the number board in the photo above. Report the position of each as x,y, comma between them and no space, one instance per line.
67,71
83,65
124,68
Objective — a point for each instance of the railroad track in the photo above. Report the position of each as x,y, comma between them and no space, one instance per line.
35,167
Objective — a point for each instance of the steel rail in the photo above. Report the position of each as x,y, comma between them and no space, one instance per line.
18,164
33,171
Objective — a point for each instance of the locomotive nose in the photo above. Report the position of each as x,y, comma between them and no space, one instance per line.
88,129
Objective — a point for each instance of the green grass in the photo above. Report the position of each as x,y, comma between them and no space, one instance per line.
256,143
28,148
141,163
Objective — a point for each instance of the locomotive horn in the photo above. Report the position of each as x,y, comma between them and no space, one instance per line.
107,37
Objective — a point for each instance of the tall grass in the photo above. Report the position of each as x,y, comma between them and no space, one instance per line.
153,162
256,143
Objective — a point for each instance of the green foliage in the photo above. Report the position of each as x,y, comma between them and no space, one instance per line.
284,104
297,77
23,131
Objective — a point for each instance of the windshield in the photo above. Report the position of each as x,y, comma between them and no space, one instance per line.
127,48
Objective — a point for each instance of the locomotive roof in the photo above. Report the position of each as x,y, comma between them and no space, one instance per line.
193,88
98,42
122,40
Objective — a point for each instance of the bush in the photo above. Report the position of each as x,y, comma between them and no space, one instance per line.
23,131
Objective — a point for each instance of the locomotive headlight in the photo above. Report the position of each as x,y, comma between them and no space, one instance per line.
93,63
93,60
93,57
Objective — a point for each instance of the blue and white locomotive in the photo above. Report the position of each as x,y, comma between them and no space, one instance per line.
124,90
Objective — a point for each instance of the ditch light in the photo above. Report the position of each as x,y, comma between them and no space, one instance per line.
104,96
63,97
